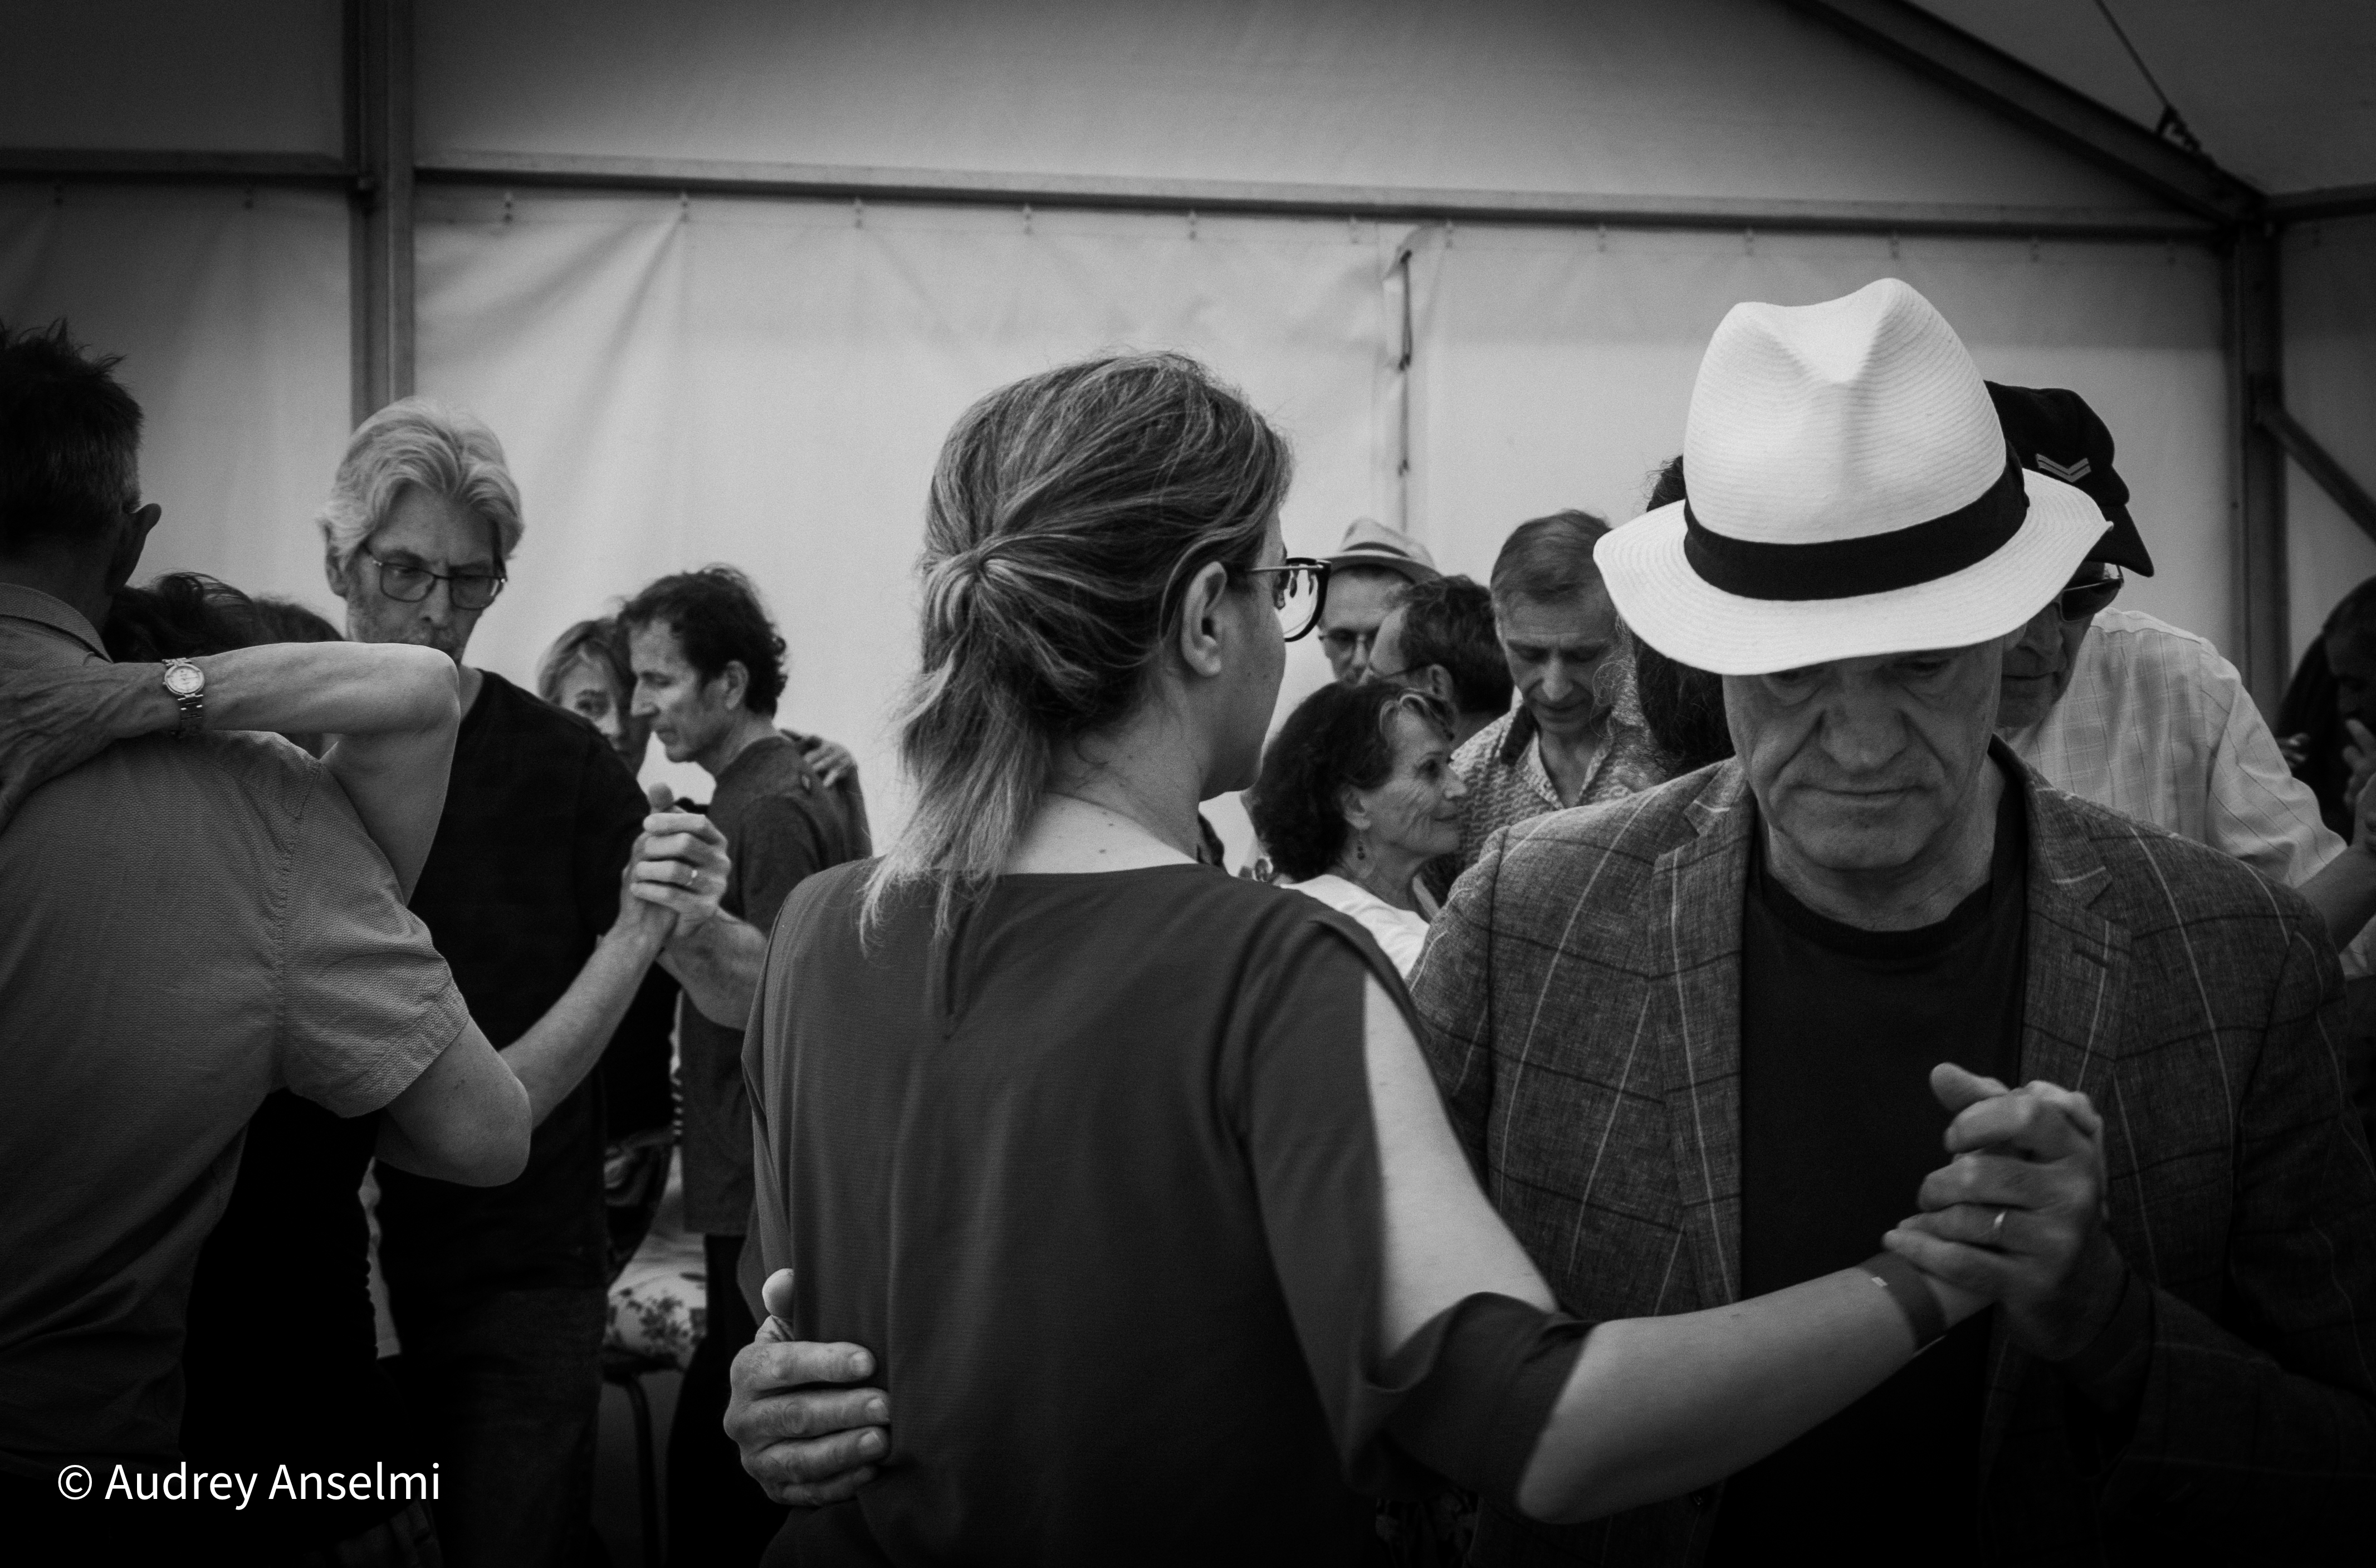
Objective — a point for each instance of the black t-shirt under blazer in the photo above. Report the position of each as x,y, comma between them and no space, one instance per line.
1839,1029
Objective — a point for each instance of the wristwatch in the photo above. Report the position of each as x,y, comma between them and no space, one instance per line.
186,684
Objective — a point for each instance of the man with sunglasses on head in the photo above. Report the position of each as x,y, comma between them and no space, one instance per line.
499,1295
2130,712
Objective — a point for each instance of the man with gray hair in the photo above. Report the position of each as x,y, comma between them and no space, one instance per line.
1704,1039
499,1294
1572,741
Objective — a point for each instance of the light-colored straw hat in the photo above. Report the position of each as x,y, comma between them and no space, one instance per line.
1371,545
1850,494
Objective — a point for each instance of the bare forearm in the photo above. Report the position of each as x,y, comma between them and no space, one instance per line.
561,1048
390,689
1658,1406
395,710
718,966
2344,894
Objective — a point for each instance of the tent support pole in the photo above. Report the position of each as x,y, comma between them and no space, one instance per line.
379,138
2256,383
2320,464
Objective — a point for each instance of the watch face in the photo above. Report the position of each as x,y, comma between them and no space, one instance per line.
185,680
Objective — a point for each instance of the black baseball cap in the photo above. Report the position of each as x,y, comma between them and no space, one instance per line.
2056,432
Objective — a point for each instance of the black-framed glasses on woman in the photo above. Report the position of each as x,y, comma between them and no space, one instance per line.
1299,587
2087,594
410,584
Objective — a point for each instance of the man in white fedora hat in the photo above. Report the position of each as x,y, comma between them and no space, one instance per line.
1706,1042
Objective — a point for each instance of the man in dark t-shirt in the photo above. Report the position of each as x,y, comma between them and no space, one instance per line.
1839,1026
709,669
498,1293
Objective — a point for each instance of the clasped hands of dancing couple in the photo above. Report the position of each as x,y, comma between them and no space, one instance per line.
2014,1219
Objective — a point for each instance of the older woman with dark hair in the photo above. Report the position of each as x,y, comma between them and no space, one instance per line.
1357,793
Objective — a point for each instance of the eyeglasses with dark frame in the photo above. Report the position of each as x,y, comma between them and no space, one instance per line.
2081,600
410,584
1299,592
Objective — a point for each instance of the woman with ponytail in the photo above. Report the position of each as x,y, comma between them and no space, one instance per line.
1127,1174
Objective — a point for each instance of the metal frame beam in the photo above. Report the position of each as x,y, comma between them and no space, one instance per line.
711,177
2332,201
1980,71
379,142
534,171
2262,648
2316,461
84,166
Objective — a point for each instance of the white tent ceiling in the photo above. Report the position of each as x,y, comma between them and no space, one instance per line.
2281,94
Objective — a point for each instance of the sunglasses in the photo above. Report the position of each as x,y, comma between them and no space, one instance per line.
2082,600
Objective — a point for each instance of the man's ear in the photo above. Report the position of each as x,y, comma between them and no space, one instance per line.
130,540
334,571
1200,619
732,682
1437,682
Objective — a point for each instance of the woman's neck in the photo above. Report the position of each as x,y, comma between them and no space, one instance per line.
1386,876
1118,803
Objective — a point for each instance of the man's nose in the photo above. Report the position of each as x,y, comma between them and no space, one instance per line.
1558,682
1861,731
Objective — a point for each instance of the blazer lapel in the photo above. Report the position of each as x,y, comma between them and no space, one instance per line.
1699,886
2077,970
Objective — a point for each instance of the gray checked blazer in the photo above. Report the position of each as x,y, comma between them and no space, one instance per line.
1582,992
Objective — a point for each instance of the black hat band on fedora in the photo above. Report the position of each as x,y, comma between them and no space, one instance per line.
1848,568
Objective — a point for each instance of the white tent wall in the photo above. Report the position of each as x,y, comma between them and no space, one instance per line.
230,309
2330,357
1554,368
767,382
1686,98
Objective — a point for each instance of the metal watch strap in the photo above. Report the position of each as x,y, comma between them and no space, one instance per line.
193,705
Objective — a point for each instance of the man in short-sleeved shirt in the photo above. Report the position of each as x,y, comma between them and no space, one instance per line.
191,926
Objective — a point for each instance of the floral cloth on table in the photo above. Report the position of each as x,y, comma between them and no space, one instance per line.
661,1298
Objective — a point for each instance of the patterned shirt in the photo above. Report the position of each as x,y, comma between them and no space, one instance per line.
1502,765
2157,726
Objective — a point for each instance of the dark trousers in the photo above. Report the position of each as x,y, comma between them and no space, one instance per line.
506,1388
716,1513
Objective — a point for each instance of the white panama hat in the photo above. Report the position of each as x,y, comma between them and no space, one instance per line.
1850,494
